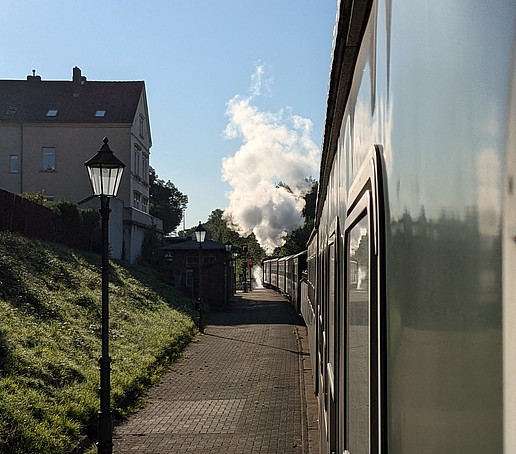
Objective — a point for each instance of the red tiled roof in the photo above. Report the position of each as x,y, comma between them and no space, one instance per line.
30,100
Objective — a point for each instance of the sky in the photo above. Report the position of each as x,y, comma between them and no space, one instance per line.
236,89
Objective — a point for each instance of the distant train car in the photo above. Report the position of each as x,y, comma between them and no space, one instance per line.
266,273
296,264
284,274
410,294
289,275
282,269
274,273
309,309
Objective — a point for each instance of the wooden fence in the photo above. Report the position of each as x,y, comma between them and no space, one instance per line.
68,226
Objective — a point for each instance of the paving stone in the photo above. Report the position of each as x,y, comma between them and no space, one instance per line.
236,388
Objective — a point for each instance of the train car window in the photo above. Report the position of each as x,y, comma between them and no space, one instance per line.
358,340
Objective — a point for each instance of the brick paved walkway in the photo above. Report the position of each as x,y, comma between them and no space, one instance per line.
236,389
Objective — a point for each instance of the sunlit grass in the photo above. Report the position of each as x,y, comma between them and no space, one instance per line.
50,341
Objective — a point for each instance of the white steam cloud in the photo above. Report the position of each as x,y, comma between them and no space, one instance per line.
276,148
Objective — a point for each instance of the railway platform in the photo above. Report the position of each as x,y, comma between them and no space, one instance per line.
244,386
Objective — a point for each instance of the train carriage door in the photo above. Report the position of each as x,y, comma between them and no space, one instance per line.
358,323
321,329
508,276
331,345
362,365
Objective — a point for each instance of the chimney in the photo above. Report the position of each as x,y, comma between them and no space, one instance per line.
34,78
77,81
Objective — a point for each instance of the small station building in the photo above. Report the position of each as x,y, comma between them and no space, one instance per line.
181,269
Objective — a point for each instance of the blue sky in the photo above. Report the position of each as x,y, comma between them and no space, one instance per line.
197,59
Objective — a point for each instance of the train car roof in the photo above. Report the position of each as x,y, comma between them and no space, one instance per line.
351,20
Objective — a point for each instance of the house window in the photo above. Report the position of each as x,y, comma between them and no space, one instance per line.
142,125
145,167
137,198
48,159
145,204
189,278
193,260
137,159
14,163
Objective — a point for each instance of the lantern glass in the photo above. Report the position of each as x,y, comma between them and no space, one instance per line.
105,171
105,180
200,233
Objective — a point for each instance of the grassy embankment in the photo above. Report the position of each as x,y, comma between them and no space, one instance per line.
50,340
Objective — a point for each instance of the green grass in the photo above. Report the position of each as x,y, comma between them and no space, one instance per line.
50,341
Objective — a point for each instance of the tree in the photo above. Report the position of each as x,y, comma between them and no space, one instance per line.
166,202
311,202
218,230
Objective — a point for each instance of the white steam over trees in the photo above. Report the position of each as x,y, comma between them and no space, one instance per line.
296,240
270,172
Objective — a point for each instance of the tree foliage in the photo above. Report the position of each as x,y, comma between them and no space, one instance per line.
218,230
166,202
36,197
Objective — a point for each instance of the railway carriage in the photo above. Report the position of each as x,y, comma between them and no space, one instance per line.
411,269
266,273
274,273
282,269
284,274
309,309
411,290
298,266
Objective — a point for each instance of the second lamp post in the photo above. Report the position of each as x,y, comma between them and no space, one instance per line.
200,236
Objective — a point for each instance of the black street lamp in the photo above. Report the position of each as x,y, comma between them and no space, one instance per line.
244,266
227,274
105,172
200,236
228,246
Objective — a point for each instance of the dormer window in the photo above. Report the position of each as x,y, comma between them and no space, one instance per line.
100,114
52,113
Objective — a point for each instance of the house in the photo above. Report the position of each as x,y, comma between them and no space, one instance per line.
181,268
48,129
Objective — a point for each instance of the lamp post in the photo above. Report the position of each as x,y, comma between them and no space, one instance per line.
227,276
105,172
244,267
234,257
200,236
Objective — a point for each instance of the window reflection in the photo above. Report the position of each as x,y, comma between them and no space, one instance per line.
358,338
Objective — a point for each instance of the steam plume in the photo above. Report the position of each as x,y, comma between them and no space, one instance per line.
269,171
